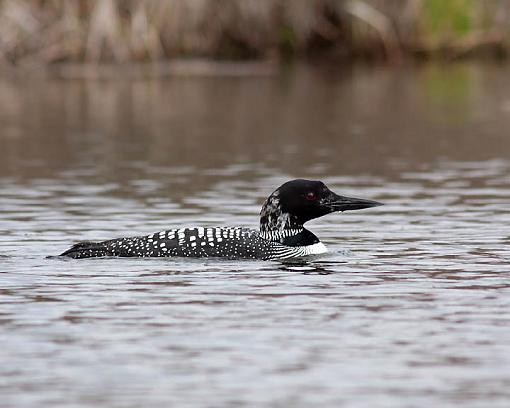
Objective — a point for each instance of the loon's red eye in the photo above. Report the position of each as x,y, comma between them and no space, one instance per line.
311,196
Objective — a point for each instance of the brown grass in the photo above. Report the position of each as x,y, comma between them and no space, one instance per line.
49,31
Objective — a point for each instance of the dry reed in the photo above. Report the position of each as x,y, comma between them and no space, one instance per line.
49,31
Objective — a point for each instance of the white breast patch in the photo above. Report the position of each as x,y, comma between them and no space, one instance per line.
316,249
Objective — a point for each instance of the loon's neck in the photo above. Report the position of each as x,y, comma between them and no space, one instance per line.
279,226
280,223
275,221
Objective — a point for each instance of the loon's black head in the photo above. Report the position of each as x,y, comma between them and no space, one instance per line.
299,201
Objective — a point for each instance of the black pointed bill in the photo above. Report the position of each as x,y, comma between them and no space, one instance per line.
340,203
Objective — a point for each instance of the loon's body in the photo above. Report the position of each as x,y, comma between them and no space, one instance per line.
220,242
281,234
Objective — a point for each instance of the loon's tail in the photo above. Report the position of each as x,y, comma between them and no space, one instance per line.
87,249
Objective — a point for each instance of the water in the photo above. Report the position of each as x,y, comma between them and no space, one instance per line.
410,308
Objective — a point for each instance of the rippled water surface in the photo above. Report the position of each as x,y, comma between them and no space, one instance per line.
410,308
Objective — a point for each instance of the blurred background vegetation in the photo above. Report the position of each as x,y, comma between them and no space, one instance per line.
50,31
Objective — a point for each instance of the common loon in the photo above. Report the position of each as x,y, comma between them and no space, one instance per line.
281,234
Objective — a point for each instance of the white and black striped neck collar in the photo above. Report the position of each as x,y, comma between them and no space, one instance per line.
279,235
291,237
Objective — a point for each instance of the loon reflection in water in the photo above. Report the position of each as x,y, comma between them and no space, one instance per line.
281,234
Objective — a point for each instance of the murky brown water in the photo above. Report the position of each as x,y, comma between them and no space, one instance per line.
410,309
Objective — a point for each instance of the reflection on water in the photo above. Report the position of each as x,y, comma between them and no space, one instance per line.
410,308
